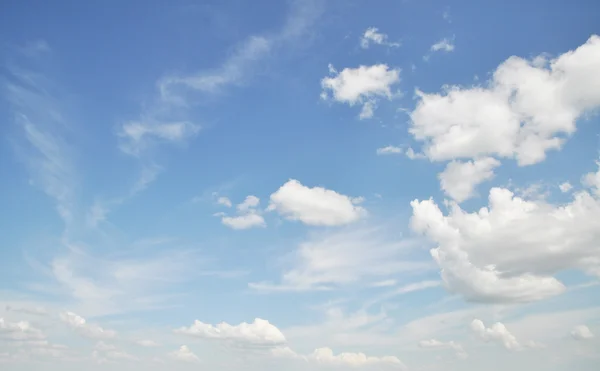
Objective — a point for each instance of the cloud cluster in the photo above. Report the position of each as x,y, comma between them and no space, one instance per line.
248,216
326,356
528,108
436,344
510,250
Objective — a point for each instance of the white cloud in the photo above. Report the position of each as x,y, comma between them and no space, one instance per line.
509,251
184,354
389,150
224,201
258,333
373,36
446,45
244,221
436,344
345,257
498,333
250,202
326,356
147,343
103,347
136,136
21,331
363,85
592,180
84,328
459,179
582,332
248,216
565,187
314,206
525,110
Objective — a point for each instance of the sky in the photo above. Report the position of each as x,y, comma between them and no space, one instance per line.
299,185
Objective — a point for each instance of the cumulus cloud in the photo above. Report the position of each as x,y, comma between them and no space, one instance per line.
582,332
326,356
510,250
184,354
258,333
247,215
459,179
436,344
84,328
314,206
525,110
364,85
497,333
373,36
446,45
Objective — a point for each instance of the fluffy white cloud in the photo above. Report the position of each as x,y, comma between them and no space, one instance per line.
436,344
245,221
248,216
445,45
525,110
373,36
325,356
90,330
184,354
249,203
582,332
497,333
258,333
509,251
363,85
459,179
345,257
314,206
389,150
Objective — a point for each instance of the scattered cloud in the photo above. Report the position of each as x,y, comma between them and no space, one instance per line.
459,179
565,187
524,111
389,150
84,328
497,333
582,332
224,201
364,85
373,36
446,45
184,354
248,216
258,333
436,344
316,206
509,251
326,356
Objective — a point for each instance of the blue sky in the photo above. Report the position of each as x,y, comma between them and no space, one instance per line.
291,185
